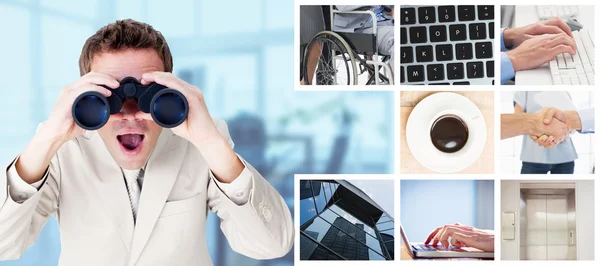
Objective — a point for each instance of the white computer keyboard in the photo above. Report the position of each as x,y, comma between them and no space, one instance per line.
579,68
546,12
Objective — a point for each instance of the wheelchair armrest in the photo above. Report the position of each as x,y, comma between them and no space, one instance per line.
366,12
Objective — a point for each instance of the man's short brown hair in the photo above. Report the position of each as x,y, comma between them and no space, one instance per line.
121,35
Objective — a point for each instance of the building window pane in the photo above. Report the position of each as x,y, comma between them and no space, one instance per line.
387,232
309,249
307,202
318,193
352,219
384,218
352,229
340,241
385,226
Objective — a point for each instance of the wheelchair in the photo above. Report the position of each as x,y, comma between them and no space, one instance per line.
344,56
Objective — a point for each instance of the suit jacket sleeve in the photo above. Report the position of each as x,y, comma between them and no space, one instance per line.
22,220
261,227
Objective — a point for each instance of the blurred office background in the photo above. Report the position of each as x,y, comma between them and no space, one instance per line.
510,150
427,204
239,53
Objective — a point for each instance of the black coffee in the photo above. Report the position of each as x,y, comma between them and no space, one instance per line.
449,133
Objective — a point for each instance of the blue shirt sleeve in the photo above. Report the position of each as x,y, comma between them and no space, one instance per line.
507,71
587,120
520,98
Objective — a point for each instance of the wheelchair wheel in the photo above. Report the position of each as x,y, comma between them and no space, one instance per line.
336,64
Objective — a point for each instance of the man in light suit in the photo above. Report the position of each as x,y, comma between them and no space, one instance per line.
363,23
133,193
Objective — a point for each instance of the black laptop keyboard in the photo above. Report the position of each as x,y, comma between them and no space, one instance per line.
443,45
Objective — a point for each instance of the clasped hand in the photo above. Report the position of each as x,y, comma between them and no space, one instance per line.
551,127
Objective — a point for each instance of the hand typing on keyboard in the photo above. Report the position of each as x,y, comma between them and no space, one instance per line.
539,50
513,37
459,235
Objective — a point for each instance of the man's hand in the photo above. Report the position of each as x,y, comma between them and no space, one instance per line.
516,36
459,235
199,128
59,128
538,50
552,129
60,124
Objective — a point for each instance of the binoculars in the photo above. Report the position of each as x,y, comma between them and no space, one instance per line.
168,107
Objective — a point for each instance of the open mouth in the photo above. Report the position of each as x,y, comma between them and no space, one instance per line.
131,143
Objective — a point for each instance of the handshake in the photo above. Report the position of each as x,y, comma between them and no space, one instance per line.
551,127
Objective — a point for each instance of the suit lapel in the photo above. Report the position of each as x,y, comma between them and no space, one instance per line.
160,175
110,187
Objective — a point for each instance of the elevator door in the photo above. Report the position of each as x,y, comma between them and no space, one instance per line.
548,228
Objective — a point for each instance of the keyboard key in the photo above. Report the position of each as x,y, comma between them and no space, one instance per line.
477,31
418,34
403,36
443,83
446,14
489,66
435,72
458,32
443,52
427,14
466,13
485,12
406,55
461,83
437,33
401,74
408,16
415,73
491,30
424,53
464,51
455,71
475,70
483,50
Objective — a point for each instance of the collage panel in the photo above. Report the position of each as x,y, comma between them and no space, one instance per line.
557,130
447,45
547,219
433,229
343,219
547,45
447,132
346,45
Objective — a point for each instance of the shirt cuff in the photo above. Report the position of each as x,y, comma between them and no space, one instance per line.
19,190
507,71
586,116
240,189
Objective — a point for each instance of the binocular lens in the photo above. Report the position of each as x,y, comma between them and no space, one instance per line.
169,109
90,111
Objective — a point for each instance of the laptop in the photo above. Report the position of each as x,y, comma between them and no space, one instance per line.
421,250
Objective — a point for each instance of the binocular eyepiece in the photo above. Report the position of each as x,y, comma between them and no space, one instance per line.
168,107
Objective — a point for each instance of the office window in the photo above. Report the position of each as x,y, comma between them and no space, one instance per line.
161,16
215,17
77,10
277,16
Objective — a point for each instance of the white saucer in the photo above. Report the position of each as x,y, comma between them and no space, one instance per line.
418,129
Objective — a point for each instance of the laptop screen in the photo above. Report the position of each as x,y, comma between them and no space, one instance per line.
405,241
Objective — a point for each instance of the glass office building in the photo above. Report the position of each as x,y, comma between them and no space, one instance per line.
340,222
